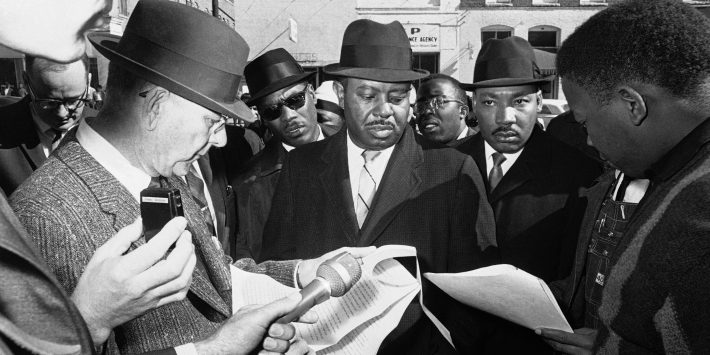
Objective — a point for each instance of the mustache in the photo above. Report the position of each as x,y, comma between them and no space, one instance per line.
379,123
504,129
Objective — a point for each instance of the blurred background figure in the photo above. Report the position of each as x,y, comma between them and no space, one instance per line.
441,110
330,113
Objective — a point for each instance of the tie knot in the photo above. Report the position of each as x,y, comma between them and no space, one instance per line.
155,182
498,159
370,155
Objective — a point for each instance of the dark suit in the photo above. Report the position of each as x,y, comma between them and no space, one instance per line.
430,197
20,150
255,189
536,204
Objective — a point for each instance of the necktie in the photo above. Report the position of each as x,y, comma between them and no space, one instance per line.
197,190
496,173
57,138
623,185
366,187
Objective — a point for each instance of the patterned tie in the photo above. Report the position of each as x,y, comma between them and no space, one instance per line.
366,187
496,173
197,189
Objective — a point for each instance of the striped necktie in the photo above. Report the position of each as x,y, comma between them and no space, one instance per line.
197,190
496,173
366,187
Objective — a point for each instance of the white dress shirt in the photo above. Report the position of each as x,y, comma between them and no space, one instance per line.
506,165
290,147
355,163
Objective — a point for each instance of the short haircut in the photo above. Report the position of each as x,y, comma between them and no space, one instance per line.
38,65
460,92
660,42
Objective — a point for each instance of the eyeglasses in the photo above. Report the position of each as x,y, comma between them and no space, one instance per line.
70,104
294,102
223,120
435,103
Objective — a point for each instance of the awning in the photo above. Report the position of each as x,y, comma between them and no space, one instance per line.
9,53
546,62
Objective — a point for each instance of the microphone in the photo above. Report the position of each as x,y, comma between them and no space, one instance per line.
334,277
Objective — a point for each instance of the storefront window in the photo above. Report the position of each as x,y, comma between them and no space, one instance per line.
496,32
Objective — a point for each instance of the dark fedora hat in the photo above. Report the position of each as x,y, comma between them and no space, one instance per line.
271,71
506,62
184,50
376,51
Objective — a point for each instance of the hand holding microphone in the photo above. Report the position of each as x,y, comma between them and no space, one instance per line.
334,277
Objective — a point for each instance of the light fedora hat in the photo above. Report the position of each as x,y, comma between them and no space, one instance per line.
184,50
376,51
506,62
271,71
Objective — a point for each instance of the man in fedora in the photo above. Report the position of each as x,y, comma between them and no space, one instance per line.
375,183
533,179
330,114
441,110
285,101
166,108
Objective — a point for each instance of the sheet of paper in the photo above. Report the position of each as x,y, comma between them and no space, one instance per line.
355,323
507,292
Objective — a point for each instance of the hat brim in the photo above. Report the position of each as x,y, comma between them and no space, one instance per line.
493,83
278,85
376,74
106,45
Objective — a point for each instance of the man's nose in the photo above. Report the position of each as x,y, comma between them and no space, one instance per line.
505,116
383,109
219,137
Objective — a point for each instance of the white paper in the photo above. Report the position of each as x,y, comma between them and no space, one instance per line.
507,292
355,323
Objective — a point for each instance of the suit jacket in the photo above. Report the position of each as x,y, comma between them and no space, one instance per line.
214,173
534,202
36,315
430,197
20,150
255,189
72,205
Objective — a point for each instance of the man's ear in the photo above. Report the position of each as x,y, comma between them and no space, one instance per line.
340,92
634,103
155,102
539,100
463,111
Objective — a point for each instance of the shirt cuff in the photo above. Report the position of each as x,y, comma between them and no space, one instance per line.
186,349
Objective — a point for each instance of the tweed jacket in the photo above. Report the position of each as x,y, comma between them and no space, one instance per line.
20,150
430,197
656,295
36,315
255,188
534,203
72,205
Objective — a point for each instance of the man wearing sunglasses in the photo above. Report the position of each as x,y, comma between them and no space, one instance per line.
33,127
286,103
441,110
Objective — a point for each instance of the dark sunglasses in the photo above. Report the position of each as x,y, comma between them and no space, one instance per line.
294,102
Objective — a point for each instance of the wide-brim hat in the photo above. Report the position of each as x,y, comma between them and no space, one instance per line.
184,50
506,62
376,51
271,71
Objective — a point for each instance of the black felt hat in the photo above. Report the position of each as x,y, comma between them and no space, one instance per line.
271,71
184,50
376,51
506,62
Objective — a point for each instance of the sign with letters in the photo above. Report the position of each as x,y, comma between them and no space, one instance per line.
423,38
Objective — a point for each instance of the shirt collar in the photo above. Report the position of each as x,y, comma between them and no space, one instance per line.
681,154
508,156
290,147
132,178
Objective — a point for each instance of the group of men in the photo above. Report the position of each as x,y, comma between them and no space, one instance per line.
625,250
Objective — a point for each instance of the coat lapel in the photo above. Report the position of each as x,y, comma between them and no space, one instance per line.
533,162
116,201
334,168
401,177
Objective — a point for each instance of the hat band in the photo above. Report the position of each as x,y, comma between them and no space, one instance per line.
329,106
500,68
216,84
370,56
